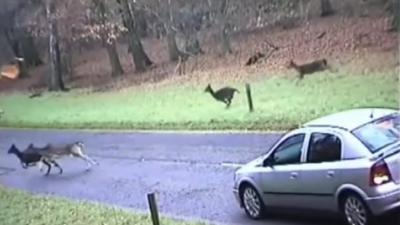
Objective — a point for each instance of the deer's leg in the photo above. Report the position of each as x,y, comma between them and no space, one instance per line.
40,166
87,159
79,154
298,81
94,162
331,69
228,103
58,166
24,165
48,167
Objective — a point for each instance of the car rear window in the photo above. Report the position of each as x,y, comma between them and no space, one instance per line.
379,133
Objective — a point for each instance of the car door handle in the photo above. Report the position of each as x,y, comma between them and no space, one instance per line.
330,174
294,175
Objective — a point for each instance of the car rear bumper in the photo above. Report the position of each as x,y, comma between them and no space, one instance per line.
382,204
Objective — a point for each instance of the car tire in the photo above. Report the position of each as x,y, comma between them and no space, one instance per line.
355,211
252,203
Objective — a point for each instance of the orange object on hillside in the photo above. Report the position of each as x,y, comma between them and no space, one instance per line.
10,71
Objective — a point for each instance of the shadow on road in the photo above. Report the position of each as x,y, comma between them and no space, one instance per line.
67,175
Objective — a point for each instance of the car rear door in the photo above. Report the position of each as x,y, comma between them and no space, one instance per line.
321,172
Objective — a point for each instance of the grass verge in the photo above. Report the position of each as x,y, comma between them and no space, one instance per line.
20,208
280,104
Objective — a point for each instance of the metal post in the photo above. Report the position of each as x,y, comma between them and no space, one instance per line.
153,208
249,98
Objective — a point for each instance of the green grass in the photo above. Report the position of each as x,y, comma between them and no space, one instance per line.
279,104
22,208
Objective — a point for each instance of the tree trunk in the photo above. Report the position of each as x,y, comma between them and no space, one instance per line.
29,51
396,15
55,82
173,50
23,46
116,68
222,25
142,26
326,8
109,43
140,58
224,28
11,36
67,70
192,45
7,54
225,42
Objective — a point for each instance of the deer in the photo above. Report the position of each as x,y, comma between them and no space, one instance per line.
259,55
254,58
309,68
29,158
224,94
52,152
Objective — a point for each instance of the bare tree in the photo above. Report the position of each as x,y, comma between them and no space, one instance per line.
7,53
189,25
140,58
69,19
173,50
108,37
223,27
393,6
163,11
55,82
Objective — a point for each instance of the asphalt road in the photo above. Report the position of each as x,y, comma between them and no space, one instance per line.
191,173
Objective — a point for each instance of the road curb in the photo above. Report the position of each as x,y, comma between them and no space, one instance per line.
151,131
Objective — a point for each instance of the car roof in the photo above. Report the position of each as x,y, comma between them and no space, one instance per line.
350,119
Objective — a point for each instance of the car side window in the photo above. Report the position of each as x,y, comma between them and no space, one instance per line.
289,151
324,147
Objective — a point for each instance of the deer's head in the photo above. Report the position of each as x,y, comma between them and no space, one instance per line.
208,88
13,149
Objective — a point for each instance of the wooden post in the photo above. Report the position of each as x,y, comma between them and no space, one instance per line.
249,99
153,208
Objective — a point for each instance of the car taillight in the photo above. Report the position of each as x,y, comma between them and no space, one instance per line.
380,174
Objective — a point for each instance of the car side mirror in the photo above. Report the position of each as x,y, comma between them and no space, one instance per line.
269,162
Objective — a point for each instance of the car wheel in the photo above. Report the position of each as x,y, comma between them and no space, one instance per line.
355,211
252,203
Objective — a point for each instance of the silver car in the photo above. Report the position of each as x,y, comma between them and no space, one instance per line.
347,162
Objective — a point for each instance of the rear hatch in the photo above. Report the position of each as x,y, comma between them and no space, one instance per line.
391,156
